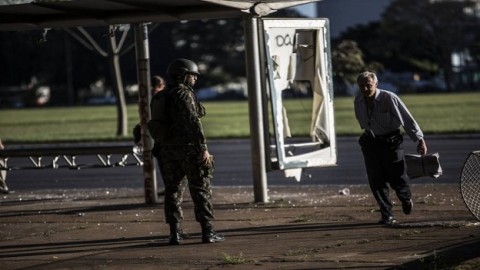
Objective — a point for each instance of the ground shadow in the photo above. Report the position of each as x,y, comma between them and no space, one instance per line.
447,258
76,210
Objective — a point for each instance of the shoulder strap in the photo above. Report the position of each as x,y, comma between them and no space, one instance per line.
158,106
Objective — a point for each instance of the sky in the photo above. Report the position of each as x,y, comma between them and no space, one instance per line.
307,9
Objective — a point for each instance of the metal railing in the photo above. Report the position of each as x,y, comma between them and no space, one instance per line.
65,156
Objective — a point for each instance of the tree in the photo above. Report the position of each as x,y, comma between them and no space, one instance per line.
397,53
113,55
25,55
216,45
348,62
436,29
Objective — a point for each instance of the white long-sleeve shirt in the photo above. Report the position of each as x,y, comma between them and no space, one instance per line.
387,115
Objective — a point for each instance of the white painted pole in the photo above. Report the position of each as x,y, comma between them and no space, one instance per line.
144,97
257,134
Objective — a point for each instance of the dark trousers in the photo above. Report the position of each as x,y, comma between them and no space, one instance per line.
385,166
177,173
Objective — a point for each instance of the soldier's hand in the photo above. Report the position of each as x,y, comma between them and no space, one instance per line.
203,157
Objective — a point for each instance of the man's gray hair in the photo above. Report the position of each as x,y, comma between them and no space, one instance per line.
366,74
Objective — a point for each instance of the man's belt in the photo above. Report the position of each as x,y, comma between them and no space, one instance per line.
370,134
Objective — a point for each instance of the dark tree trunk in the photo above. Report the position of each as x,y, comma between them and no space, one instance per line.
121,104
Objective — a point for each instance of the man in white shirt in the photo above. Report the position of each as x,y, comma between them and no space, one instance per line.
381,114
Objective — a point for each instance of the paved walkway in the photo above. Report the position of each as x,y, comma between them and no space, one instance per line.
313,227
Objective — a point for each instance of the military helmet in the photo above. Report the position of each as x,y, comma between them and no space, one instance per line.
181,67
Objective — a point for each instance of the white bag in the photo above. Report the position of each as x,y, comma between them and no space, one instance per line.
420,166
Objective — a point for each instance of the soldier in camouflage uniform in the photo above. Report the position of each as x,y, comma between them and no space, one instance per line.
181,150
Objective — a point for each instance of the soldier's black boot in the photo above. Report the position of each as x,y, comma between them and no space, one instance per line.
209,235
175,234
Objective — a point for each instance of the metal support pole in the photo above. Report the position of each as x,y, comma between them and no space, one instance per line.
257,143
144,97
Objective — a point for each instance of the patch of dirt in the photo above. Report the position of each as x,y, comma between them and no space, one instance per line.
302,227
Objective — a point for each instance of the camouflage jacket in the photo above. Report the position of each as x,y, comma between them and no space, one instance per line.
185,111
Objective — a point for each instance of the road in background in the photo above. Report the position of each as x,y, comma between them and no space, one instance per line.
234,167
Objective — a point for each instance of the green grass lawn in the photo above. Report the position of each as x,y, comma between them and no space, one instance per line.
436,113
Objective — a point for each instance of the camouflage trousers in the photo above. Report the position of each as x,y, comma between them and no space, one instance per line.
177,174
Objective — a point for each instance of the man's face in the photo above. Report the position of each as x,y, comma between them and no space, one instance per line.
157,89
191,79
368,87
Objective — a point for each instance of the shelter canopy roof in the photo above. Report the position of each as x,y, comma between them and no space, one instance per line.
30,15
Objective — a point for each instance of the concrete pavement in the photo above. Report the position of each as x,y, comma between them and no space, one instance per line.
302,227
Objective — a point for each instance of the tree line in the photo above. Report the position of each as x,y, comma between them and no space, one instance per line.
417,36
412,35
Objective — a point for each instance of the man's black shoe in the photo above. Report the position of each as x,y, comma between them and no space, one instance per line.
212,237
388,221
174,238
407,207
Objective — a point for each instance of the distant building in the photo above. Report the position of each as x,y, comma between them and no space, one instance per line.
343,14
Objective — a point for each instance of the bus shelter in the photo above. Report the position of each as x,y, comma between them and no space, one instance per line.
281,55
